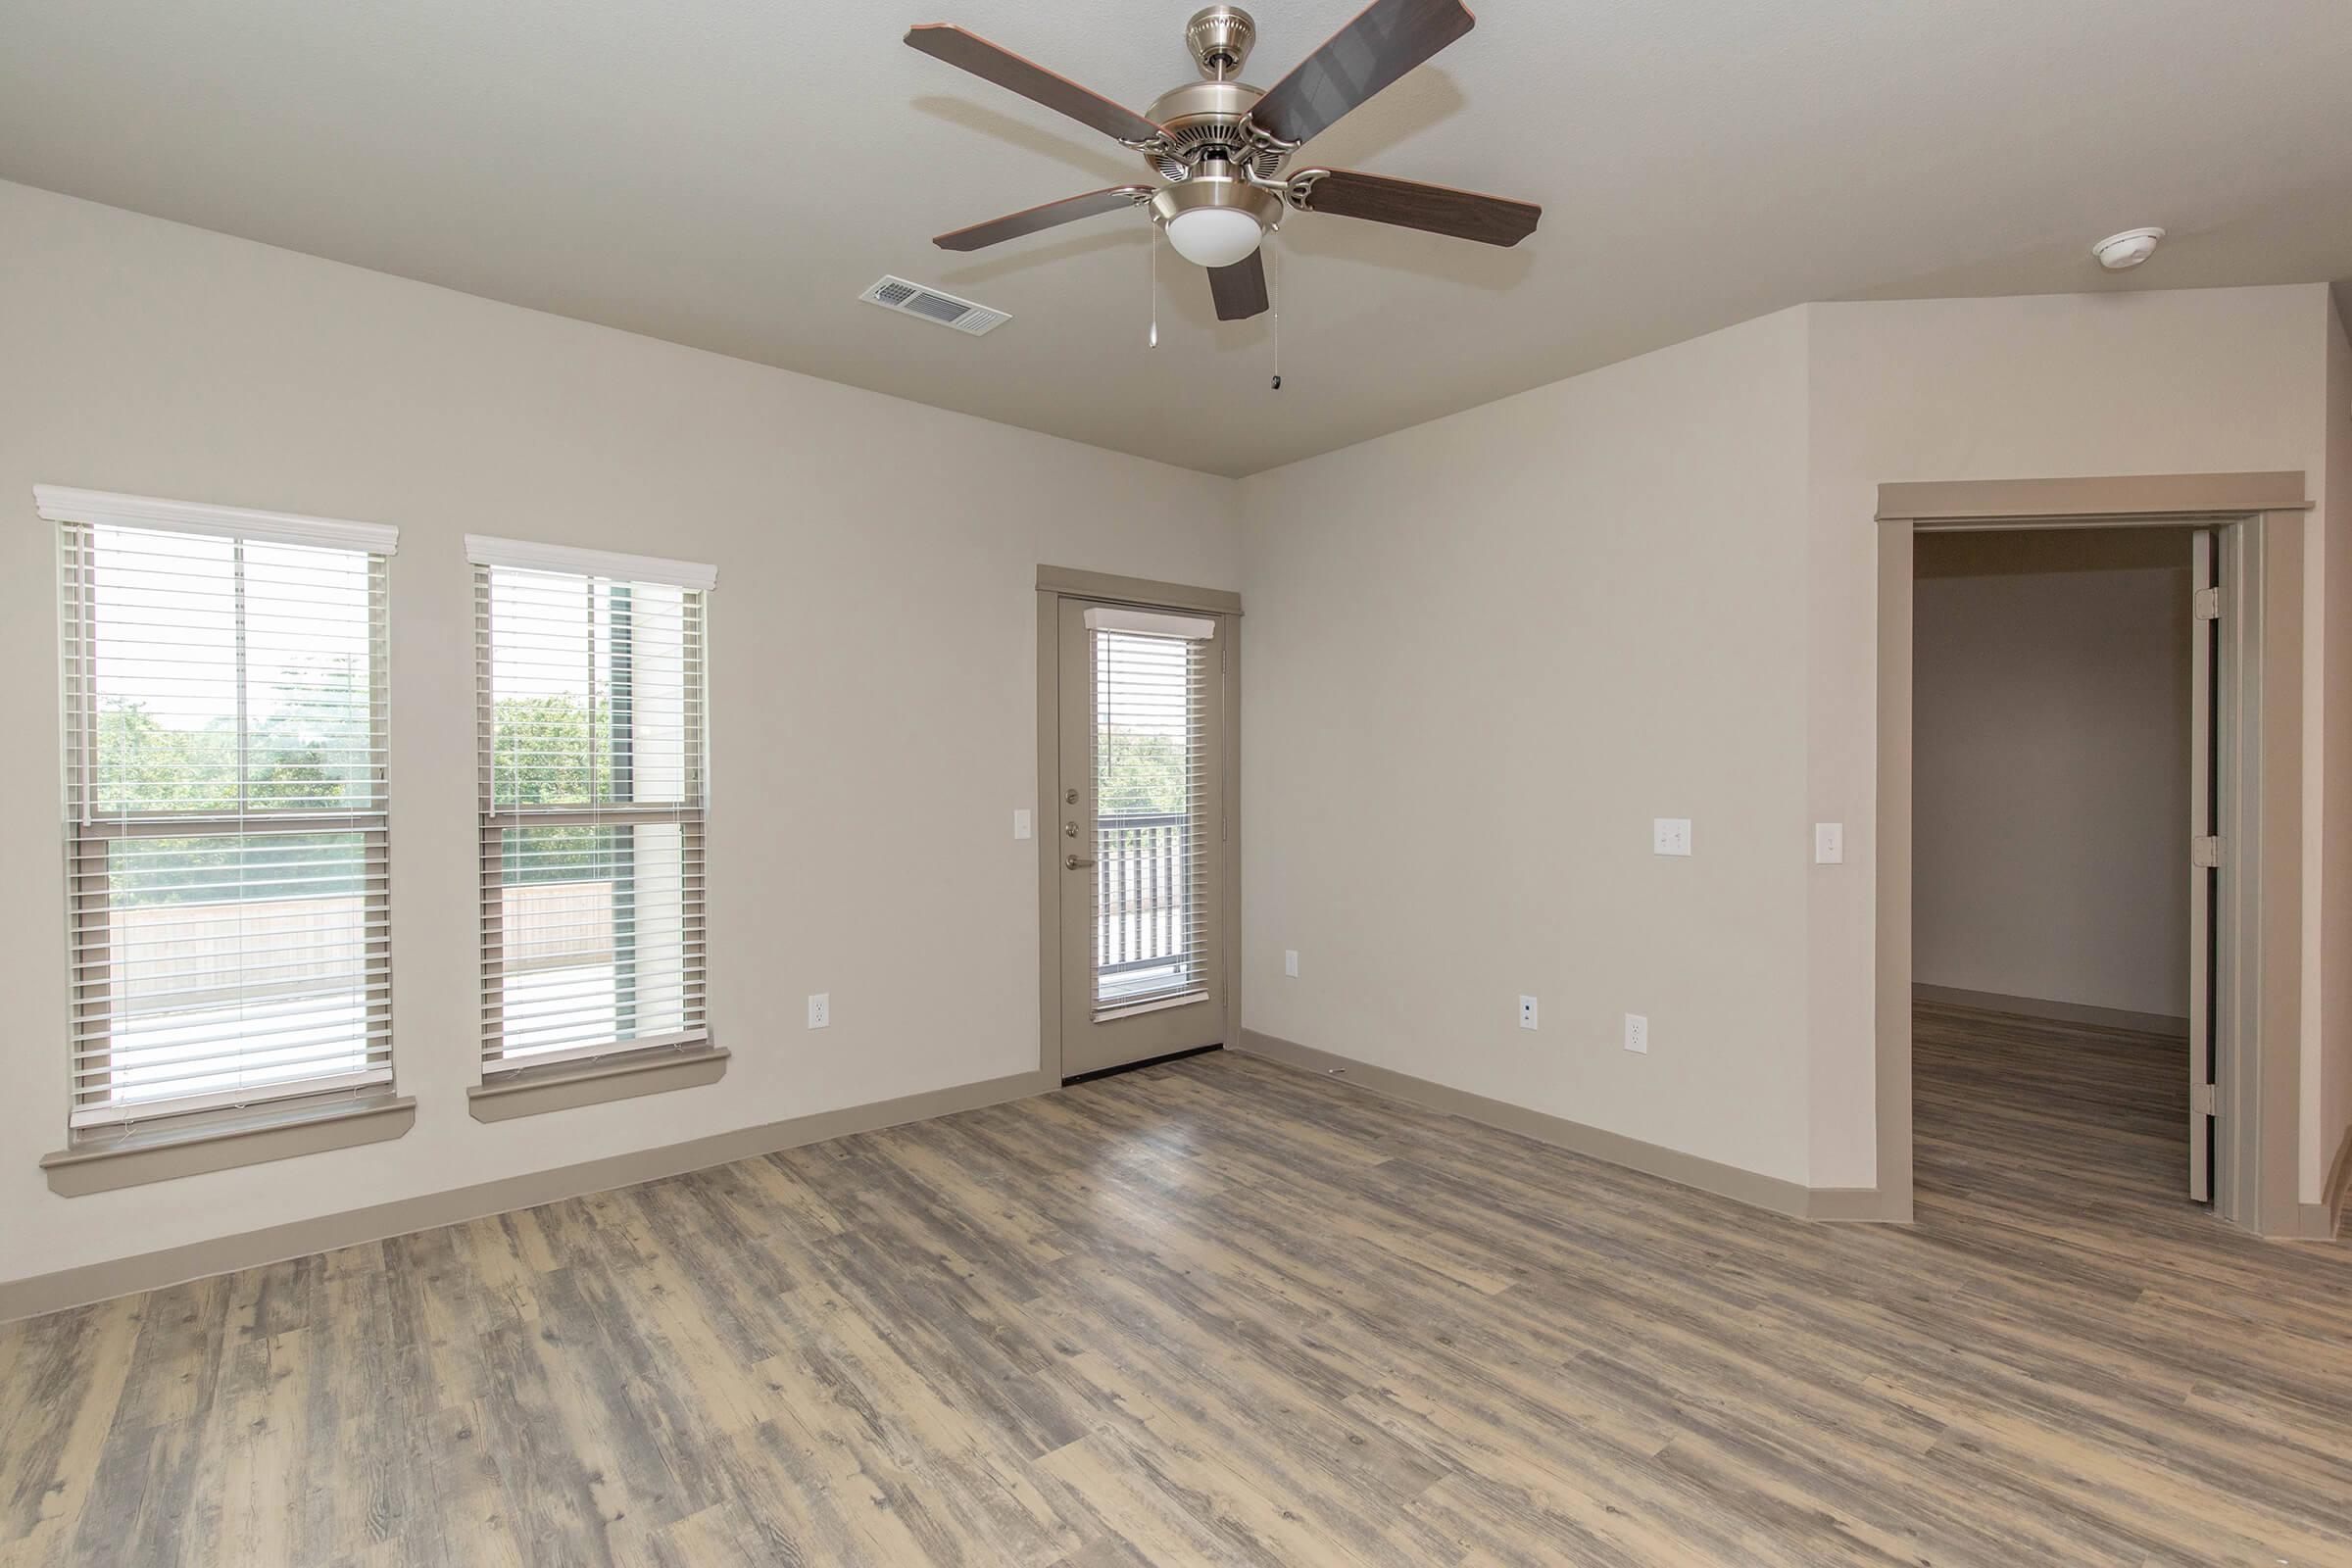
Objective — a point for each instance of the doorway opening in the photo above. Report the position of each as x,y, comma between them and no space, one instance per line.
2238,1097
2064,802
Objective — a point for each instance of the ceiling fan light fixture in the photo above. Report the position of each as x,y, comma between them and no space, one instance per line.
1214,236
1214,218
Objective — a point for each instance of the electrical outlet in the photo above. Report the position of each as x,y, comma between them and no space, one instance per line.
1636,1032
1670,835
1527,1012
821,1010
1828,843
1290,962
1020,824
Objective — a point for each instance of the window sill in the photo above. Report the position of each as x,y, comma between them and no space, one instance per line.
534,1091
190,1147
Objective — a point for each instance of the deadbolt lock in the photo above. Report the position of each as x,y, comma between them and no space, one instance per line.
1069,830
1069,797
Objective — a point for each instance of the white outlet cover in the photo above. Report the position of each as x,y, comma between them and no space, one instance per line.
821,1010
1636,1032
1527,1012
1828,843
1670,835
1290,962
1020,825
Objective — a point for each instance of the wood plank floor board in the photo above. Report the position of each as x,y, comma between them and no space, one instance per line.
1224,1311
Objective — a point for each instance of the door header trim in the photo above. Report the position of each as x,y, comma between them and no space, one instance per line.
1069,583
2022,502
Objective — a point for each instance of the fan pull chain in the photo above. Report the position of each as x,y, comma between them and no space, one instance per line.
1152,341
1274,257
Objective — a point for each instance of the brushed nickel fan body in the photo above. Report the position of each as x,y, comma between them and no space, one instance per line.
1221,144
1207,151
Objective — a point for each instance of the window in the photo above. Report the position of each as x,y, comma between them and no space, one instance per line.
226,702
589,670
1152,786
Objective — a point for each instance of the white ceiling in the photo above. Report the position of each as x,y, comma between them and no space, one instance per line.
729,174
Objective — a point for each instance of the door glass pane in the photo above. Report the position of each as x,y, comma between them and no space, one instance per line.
1149,788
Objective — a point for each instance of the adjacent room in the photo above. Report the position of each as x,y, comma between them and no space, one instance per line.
1562,787
2057,742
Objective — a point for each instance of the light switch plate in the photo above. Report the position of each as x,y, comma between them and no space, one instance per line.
1636,1032
1828,843
1020,825
1670,835
821,1010
1290,962
1527,1012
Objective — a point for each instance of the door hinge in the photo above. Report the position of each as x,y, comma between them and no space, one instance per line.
2205,852
2204,1099
2209,604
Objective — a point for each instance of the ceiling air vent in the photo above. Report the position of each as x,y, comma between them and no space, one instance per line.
912,299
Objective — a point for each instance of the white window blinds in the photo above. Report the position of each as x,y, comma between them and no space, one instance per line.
590,682
225,707
1153,787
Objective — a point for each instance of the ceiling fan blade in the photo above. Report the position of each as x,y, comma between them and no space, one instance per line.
1388,39
975,54
1012,226
1438,209
1240,290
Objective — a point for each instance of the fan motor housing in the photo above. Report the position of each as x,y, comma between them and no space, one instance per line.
1202,118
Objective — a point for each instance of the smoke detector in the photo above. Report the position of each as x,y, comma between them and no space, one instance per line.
943,309
2121,252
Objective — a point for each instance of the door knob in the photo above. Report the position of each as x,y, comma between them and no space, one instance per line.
1072,863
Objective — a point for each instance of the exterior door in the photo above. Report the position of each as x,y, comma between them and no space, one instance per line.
1139,832
2205,850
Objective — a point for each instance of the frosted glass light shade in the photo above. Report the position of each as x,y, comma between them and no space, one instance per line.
1214,236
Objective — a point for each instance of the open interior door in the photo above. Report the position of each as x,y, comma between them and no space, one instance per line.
2204,855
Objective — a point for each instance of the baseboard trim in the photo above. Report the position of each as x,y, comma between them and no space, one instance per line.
2322,1221
2149,1024
98,1282
1772,1192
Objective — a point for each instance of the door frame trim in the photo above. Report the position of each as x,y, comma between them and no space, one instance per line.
1053,585
2260,516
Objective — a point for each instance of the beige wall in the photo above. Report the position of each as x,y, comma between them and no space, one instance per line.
2204,380
872,635
2327,1082
2051,765
1485,652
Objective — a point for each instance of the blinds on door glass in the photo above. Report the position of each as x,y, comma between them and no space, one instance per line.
1154,827
226,715
591,750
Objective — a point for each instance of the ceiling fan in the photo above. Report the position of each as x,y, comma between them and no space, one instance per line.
1219,149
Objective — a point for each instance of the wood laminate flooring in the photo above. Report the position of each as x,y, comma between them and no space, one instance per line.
1225,1311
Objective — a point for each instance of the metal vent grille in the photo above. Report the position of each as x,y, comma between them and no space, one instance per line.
912,299
938,306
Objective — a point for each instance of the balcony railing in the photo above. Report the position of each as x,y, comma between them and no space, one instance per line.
1143,904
